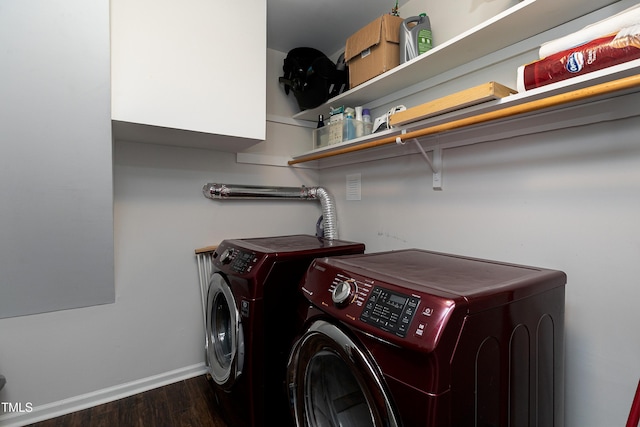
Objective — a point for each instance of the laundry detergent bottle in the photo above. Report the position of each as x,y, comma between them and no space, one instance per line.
415,37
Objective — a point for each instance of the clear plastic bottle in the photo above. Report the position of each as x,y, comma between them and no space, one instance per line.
366,121
350,128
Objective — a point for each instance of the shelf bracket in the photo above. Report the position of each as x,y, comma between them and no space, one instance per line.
435,164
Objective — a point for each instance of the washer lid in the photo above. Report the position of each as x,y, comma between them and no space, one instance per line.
296,243
411,297
483,283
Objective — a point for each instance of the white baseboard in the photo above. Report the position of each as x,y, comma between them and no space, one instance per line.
67,406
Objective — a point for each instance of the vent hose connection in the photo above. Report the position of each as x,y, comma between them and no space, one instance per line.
229,191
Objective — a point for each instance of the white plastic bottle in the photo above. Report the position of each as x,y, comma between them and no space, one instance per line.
366,121
359,124
415,39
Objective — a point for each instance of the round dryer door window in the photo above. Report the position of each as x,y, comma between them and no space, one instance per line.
334,383
225,341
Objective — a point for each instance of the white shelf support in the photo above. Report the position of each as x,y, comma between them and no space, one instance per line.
435,164
437,172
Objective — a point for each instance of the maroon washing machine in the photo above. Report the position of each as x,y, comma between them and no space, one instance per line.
252,300
422,339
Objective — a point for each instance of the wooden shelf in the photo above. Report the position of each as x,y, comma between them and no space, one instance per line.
522,21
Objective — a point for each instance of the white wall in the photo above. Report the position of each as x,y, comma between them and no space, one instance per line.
155,326
153,334
566,200
448,19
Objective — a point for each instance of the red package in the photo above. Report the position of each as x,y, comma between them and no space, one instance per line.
592,56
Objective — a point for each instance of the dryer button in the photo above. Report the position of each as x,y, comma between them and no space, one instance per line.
244,308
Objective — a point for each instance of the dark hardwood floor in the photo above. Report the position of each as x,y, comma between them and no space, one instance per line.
188,403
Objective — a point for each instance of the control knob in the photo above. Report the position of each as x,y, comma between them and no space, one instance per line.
226,256
344,293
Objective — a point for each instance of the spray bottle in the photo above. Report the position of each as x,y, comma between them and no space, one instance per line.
417,39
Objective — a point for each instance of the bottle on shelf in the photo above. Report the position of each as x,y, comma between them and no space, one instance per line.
359,124
350,125
366,122
415,39
320,121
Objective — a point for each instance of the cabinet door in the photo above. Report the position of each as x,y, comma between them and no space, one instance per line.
56,214
193,65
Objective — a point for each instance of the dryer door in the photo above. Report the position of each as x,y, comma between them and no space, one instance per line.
333,382
225,340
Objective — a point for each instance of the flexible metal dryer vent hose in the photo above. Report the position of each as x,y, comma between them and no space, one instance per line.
229,191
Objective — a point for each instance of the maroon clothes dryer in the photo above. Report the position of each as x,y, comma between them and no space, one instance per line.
252,299
422,339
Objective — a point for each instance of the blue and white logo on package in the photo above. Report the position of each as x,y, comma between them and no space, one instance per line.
575,62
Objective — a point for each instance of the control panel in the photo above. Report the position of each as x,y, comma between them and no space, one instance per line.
411,318
390,311
239,261
387,310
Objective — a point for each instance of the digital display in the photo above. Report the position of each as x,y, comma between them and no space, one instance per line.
242,262
398,300
390,311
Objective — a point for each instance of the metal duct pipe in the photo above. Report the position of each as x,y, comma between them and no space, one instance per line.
228,191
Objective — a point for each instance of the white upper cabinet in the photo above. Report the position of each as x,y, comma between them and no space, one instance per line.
189,73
